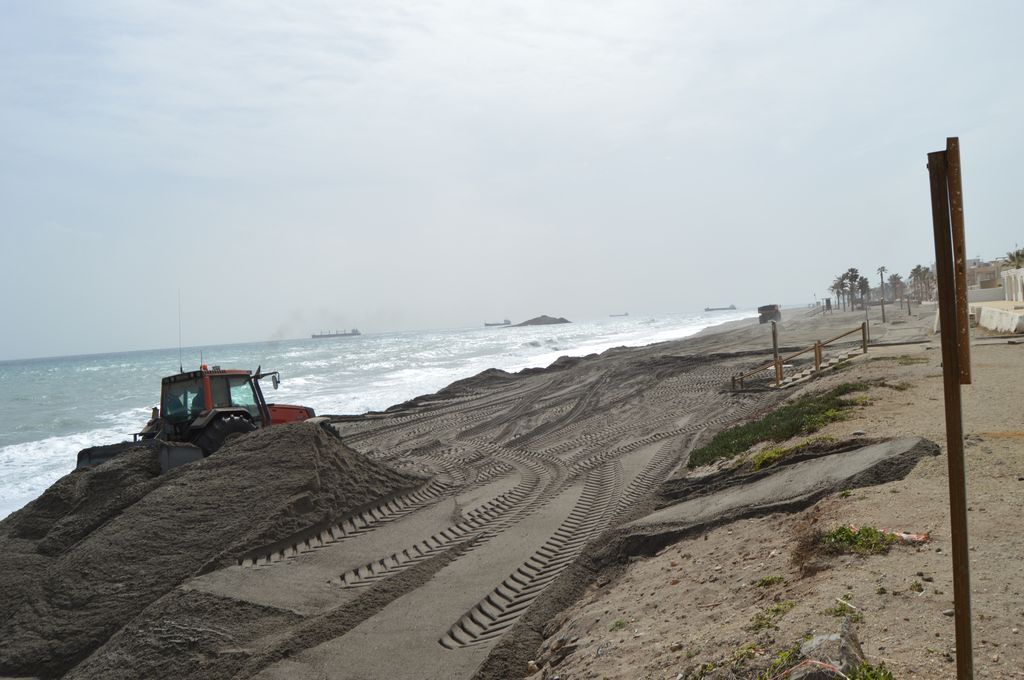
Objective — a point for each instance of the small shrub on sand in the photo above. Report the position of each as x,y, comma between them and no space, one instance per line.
806,415
780,663
769,581
775,454
617,625
866,671
862,541
845,609
766,618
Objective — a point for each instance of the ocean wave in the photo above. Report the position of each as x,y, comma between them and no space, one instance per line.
27,469
372,375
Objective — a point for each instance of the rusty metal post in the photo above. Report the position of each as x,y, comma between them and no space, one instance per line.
956,215
775,354
954,413
817,356
864,336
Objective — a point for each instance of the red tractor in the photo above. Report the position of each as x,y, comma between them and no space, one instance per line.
201,409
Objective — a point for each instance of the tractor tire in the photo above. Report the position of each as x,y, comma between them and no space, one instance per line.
218,431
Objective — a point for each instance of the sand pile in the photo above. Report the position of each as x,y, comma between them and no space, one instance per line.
102,544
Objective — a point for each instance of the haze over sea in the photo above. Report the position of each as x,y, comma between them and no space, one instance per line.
54,407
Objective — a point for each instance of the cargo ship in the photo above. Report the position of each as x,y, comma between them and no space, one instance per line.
337,334
506,322
720,309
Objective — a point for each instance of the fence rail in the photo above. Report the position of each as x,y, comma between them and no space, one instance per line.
778,361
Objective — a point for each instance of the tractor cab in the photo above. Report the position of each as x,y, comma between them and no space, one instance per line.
205,407
200,410
187,397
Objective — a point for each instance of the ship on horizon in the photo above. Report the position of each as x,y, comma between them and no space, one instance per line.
720,309
506,322
336,334
623,314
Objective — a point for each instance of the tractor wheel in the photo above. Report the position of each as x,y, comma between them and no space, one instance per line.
215,434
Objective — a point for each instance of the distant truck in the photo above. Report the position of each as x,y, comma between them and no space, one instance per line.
768,313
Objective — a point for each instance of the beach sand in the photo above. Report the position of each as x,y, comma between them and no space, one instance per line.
524,519
690,607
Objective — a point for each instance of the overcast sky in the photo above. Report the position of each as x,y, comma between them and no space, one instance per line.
292,166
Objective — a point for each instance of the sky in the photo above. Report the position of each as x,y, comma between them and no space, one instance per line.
288,167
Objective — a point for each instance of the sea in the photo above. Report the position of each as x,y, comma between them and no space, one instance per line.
54,407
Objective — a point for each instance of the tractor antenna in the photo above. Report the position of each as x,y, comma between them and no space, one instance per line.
181,366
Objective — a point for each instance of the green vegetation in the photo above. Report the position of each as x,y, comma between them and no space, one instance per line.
806,415
781,662
769,457
917,587
863,541
774,455
843,608
766,618
768,581
845,493
741,655
866,671
618,625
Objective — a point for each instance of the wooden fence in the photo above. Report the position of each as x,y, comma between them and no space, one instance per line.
778,362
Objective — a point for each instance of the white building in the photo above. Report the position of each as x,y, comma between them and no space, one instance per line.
1013,284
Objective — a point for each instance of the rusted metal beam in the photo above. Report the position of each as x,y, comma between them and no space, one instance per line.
775,354
956,215
954,413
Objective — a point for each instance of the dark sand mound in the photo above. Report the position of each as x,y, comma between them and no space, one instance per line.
542,320
102,544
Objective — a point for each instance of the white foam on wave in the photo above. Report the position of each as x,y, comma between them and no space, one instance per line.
26,470
349,379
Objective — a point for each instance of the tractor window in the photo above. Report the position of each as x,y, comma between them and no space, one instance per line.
220,392
242,394
179,398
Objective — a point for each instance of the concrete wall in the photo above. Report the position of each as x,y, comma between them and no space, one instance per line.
985,294
997,319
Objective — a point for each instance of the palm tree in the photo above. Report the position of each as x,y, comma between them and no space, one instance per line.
839,288
864,286
896,284
852,275
881,281
929,282
1015,259
922,277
